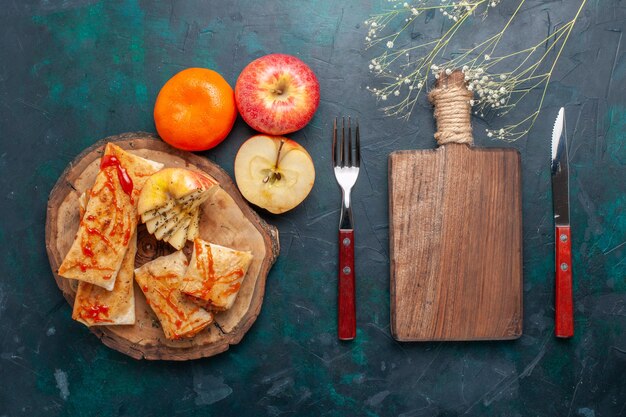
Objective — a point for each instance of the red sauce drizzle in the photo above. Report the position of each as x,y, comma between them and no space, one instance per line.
170,309
87,251
84,267
198,246
94,313
98,228
192,331
195,330
107,184
232,289
127,233
207,271
172,303
122,174
98,233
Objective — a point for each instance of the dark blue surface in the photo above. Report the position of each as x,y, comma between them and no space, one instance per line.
75,71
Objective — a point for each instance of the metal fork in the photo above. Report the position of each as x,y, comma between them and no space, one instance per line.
346,172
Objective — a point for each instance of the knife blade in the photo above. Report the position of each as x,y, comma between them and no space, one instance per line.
564,304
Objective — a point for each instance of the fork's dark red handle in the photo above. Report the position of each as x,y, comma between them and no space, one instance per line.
346,317
564,303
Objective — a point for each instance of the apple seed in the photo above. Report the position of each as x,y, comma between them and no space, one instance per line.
275,175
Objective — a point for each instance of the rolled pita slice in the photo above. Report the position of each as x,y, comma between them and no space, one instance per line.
110,218
215,274
95,306
160,281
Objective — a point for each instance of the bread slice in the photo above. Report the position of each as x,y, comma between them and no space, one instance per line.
110,218
215,274
95,306
160,281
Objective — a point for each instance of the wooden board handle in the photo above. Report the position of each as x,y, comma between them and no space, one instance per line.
346,318
451,99
564,303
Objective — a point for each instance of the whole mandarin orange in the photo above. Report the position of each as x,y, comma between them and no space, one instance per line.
195,110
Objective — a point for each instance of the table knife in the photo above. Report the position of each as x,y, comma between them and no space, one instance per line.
564,303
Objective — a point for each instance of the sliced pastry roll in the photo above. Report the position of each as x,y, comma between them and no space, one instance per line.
110,218
215,274
94,306
160,282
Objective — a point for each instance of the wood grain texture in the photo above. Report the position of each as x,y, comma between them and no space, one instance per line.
563,293
226,219
346,294
456,244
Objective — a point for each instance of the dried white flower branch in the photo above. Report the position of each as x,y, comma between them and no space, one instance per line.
499,82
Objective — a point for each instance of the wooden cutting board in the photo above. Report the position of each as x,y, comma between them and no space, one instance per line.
226,219
455,233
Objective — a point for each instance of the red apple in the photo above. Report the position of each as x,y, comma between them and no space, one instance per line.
277,94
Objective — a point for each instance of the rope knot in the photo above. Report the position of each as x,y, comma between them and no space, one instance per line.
451,99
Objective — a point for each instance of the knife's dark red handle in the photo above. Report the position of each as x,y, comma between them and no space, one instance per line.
346,317
564,302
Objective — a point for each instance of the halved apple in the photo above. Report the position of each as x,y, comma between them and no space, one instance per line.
274,173
170,200
173,184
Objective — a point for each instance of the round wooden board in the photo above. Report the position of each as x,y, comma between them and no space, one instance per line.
226,220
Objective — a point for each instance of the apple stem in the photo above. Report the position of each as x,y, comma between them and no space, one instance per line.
280,148
277,91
